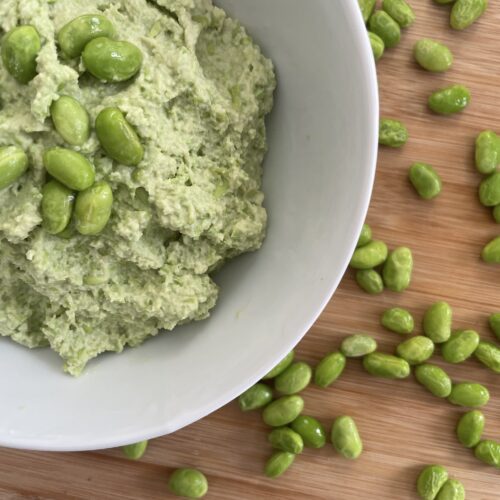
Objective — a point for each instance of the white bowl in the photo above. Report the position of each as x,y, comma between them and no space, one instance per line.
319,175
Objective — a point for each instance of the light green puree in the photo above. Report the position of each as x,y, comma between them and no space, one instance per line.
195,200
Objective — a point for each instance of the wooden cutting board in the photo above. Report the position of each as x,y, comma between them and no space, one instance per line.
403,427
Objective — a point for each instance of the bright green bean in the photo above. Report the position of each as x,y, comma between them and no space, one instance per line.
311,430
494,322
13,163
286,439
488,452
398,269
460,346
437,322
452,490
93,208
135,451
470,428
370,281
358,345
434,379
279,463
491,252
345,438
57,207
367,7
466,12
425,180
488,353
71,120
416,350
280,367
282,411
370,255
392,133
294,379
329,369
377,45
400,11
190,483
469,394
386,366
398,320
383,25
433,55
430,481
487,152
70,168
365,236
257,396
449,100
489,190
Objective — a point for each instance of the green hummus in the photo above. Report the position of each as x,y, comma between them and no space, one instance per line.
195,201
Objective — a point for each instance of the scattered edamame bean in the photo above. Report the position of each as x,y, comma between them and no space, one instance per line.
278,463
69,167
437,322
20,49
430,481
13,164
491,252
365,236
470,428
392,133
452,490
487,152
377,45
398,269
400,11
469,394
386,366
367,7
496,214
311,430
358,345
57,207
257,396
465,12
280,367
369,256
416,350
449,100
190,483
286,439
443,2
345,438
489,190
494,322
71,120
433,55
434,379
135,451
329,369
489,354
460,346
383,25
425,180
93,208
370,281
488,452
398,320
294,379
282,411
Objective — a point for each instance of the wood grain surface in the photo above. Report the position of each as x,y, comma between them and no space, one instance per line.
403,427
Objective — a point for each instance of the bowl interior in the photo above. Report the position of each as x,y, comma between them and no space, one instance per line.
319,174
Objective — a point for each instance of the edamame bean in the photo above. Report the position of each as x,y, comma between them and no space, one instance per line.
135,451
443,2
93,208
398,269
437,322
392,133
286,439
370,281
400,11
13,164
489,190
487,152
280,367
432,55
358,345
71,120
377,45
383,25
294,379
118,138
365,236
57,207
283,411
425,180
488,452
434,379
258,396
430,481
494,322
345,437
496,214
416,350
366,7
278,463
449,100
470,428
311,430
69,167
370,255
20,49
488,354
112,61
491,252
452,490
469,394
190,483
329,369
398,320
73,37
460,346
465,12
386,366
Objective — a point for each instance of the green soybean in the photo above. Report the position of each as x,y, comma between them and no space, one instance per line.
69,167
398,269
452,490
135,451
398,320
345,437
460,346
437,322
488,452
392,133
112,61
93,208
311,430
425,180
496,214
280,367
294,379
190,483
491,252
370,281
430,481
370,255
432,55
20,49
383,25
365,236
443,2
73,37
358,345
13,163
416,350
367,7
329,369
278,463
286,439
434,379
489,190
282,411
494,322
386,366
118,138
487,153
466,12
258,396
400,11
449,100
469,394
489,355
57,207
377,45
71,120
470,428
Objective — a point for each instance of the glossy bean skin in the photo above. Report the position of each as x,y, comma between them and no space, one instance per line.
294,379
386,366
329,369
489,190
280,367
279,463
466,12
377,45
488,452
345,438
430,481
370,281
491,252
370,255
70,168
358,345
135,451
494,322
392,133
434,379
398,320
496,214
437,322
470,428
460,346
71,120
13,163
433,55
450,100
400,11
425,180
282,411
311,430
367,7
469,394
286,439
57,207
383,25
189,483
93,208
416,350
487,154
365,236
398,269
451,490
488,354
257,396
